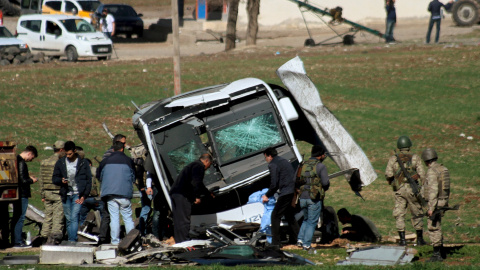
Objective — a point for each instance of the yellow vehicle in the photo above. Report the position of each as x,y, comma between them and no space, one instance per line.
81,8
8,172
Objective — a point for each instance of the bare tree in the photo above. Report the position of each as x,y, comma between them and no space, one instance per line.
231,24
253,9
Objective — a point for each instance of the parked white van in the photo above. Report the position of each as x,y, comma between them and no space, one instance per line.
63,35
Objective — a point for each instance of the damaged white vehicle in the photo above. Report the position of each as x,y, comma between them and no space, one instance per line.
236,122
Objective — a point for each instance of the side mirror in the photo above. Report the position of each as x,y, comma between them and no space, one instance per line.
140,15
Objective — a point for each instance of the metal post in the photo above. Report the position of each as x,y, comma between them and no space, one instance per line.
176,49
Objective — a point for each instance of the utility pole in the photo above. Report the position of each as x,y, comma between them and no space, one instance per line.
176,49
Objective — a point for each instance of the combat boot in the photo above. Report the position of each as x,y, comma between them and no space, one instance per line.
420,241
402,241
436,256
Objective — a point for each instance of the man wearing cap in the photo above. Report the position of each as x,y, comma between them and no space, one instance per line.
312,185
52,227
107,23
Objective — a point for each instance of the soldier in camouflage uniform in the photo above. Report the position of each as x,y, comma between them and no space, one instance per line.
404,197
52,228
437,193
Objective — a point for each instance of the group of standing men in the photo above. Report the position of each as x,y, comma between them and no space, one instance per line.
434,7
436,192
66,191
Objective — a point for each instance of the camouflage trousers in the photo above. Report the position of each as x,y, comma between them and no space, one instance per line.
404,199
435,232
53,222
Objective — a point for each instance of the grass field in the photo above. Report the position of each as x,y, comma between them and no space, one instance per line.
428,93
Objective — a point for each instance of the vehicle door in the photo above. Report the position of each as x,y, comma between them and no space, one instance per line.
54,37
30,32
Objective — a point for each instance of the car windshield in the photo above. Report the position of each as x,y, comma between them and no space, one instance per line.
89,5
78,26
122,11
247,137
4,33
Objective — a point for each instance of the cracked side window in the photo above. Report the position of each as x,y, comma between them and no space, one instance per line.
184,154
246,137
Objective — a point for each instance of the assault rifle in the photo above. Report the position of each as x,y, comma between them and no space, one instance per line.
440,211
411,181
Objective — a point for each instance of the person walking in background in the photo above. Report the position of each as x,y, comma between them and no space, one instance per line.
52,228
435,18
20,206
117,175
72,173
107,23
391,21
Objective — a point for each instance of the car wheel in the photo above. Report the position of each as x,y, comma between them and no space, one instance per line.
129,35
72,55
140,33
102,58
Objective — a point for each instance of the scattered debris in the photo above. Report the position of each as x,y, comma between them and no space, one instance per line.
66,254
380,255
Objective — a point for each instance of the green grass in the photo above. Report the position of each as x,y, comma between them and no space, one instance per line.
428,93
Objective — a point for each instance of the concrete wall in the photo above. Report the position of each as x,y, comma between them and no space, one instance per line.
284,13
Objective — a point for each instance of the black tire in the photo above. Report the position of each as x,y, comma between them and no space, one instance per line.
309,43
140,34
72,55
348,40
465,12
129,35
102,58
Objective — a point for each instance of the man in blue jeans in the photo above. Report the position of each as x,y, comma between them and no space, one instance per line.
391,21
436,18
313,184
72,173
117,175
20,206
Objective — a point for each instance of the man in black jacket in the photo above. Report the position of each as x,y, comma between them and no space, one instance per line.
188,189
72,173
282,177
24,182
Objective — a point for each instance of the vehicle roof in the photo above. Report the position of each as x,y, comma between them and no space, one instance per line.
112,5
47,16
72,0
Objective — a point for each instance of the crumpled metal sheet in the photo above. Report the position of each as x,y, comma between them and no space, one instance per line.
344,151
379,255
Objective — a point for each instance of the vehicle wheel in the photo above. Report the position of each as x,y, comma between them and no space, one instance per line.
102,58
309,43
140,34
129,35
72,55
465,12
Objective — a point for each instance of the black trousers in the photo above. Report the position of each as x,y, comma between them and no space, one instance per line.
181,210
104,235
283,207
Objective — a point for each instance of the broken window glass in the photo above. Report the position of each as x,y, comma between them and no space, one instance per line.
184,154
247,137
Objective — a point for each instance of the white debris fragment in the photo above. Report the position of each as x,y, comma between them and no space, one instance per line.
48,148
470,138
462,134
144,70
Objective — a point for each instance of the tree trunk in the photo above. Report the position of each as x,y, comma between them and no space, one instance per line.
232,24
253,9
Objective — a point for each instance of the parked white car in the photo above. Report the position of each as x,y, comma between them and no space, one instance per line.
63,35
8,40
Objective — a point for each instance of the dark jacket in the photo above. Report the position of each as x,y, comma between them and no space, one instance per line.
391,13
24,180
117,175
83,177
434,8
189,182
282,177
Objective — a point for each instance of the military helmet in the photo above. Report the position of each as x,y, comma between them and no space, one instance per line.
429,154
403,142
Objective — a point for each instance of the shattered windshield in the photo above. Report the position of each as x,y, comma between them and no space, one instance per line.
247,137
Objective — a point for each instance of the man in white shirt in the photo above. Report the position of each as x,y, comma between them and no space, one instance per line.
107,23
